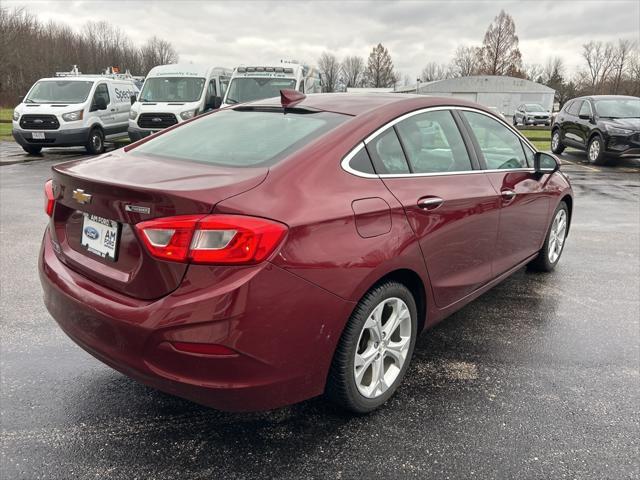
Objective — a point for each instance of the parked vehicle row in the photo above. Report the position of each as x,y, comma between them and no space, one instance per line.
300,249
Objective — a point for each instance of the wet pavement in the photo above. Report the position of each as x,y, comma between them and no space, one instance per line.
537,379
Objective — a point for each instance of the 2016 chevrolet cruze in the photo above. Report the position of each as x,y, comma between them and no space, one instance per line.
275,251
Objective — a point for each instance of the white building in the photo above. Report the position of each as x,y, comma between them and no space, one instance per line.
504,93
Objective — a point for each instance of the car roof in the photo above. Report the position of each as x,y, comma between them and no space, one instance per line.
607,97
359,103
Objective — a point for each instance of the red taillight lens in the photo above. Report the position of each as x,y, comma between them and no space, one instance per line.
212,239
49,200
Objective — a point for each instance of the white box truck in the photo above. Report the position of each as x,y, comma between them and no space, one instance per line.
250,83
174,93
73,109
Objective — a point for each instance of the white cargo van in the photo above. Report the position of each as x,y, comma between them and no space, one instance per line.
259,82
72,109
174,93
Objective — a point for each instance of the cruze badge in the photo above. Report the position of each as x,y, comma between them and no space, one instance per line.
81,197
137,209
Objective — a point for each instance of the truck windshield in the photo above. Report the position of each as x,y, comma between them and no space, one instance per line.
235,138
172,89
618,108
59,91
245,89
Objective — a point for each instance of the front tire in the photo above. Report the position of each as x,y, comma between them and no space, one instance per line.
549,255
31,150
375,349
556,143
595,150
95,143
515,121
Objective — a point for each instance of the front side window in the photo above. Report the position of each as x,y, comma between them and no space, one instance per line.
172,89
433,143
500,147
59,91
386,153
585,109
245,89
241,138
211,89
102,92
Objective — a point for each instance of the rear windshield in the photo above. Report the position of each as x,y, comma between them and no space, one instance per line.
236,138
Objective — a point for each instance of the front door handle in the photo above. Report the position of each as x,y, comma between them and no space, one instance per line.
508,195
430,203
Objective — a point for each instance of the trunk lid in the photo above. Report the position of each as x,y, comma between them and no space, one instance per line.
117,183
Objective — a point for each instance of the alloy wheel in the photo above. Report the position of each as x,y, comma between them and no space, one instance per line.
594,150
557,235
555,141
382,348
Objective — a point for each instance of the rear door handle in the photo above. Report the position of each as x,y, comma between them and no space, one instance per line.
508,195
430,203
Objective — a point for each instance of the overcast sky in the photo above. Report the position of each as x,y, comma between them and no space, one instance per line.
415,32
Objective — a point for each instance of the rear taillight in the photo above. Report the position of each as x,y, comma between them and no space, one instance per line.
49,200
211,239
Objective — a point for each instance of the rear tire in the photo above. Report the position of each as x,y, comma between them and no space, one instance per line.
515,121
375,349
595,151
95,143
549,255
556,143
31,150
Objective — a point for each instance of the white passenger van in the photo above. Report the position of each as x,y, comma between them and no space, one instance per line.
174,93
256,83
72,109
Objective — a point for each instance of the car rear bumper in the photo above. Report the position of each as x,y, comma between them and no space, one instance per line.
53,138
283,328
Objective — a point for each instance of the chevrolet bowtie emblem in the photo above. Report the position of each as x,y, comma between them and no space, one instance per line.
81,197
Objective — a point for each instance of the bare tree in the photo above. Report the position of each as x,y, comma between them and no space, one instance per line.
533,72
499,54
624,51
157,52
330,67
353,71
434,71
379,72
465,61
600,59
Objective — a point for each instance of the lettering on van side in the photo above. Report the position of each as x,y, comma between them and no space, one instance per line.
123,95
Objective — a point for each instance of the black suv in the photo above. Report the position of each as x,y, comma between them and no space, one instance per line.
602,125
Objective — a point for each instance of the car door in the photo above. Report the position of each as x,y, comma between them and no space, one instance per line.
524,200
584,122
520,114
571,127
449,202
108,116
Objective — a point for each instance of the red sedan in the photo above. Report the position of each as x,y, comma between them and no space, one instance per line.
272,252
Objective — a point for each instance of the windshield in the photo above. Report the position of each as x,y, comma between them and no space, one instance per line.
59,91
618,108
235,138
534,107
249,89
172,89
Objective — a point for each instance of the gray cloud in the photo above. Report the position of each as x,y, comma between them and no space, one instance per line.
415,32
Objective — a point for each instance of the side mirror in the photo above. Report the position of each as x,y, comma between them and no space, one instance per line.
545,163
133,99
20,98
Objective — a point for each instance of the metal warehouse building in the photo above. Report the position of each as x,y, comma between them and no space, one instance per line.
504,93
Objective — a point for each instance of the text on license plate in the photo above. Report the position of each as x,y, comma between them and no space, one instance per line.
100,236
37,135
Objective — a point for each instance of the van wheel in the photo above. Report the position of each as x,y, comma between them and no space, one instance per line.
375,349
515,121
95,144
556,144
31,150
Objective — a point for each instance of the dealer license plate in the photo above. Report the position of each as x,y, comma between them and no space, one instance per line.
100,236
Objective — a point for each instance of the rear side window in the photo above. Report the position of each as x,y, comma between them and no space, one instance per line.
574,108
386,153
433,143
241,138
500,147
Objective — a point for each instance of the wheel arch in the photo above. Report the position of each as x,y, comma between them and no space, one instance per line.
568,199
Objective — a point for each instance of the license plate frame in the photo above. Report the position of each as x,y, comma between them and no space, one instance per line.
38,135
100,236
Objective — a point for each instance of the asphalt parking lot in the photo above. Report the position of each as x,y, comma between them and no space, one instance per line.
537,379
